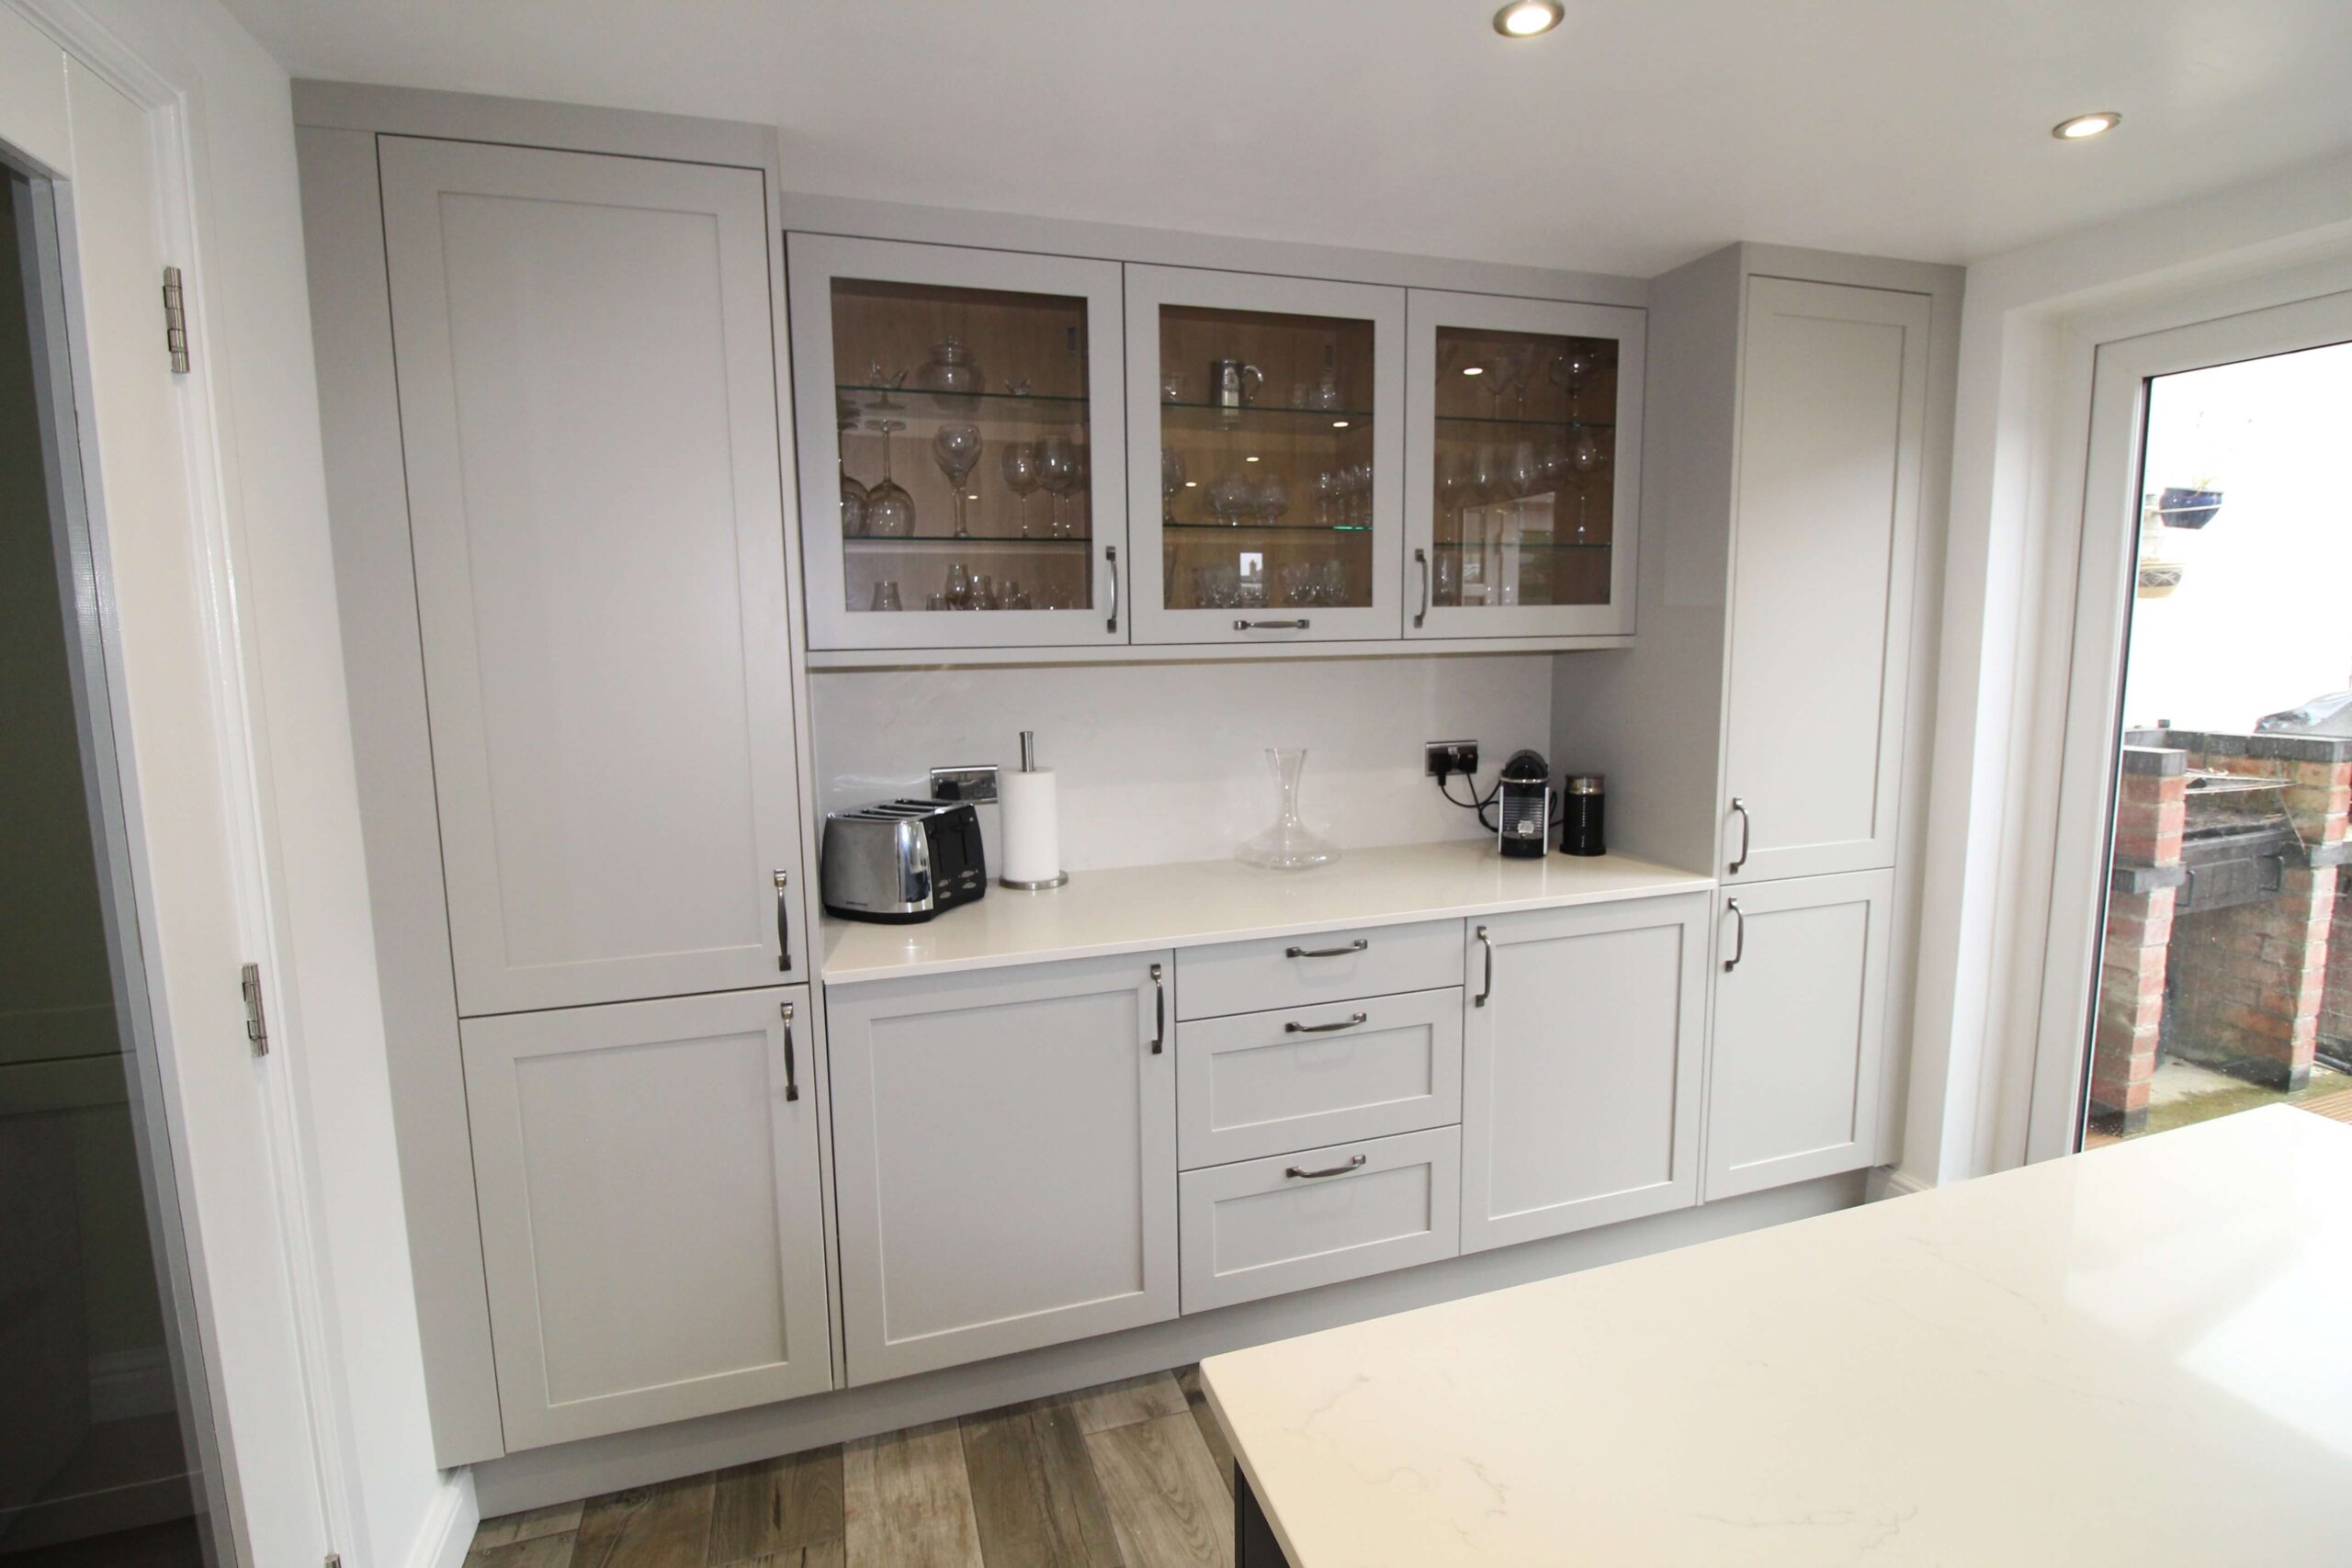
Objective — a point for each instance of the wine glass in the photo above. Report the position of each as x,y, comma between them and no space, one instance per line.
959,586
886,595
1513,365
1570,369
853,507
1057,472
1587,458
1172,480
1522,469
890,509
1272,496
1231,496
1019,459
955,448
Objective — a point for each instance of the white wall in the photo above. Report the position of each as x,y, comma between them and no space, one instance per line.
1161,763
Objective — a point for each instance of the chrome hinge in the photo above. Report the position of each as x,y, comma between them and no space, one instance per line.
175,321
256,1027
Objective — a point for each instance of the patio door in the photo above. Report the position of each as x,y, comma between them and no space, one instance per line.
2201,952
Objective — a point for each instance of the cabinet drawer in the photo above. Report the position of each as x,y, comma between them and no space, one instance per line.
1260,1229
1330,966
1262,1083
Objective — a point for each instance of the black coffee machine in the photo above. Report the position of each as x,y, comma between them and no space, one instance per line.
1523,806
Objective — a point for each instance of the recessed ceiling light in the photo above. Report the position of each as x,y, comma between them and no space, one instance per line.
1339,424
2083,125
1525,18
1249,459
1474,370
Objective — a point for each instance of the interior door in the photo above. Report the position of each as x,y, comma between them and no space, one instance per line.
587,398
1832,420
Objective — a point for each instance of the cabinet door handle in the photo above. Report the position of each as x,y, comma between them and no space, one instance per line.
1159,1011
791,1075
1356,946
1110,558
1489,988
1421,559
1739,935
1296,626
1356,1162
1746,832
783,922
1350,1021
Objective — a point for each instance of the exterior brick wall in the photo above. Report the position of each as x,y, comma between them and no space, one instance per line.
2134,953
2336,997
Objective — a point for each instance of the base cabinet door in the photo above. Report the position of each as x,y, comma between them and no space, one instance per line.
1004,1146
1580,1067
1800,1031
653,1230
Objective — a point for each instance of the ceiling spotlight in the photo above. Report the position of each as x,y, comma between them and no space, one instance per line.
2083,125
1525,18
1474,370
1339,424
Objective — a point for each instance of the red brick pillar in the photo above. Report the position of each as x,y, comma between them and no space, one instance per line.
2151,806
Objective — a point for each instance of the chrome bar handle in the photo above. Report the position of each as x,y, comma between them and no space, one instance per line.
791,1076
1489,988
1421,559
1356,946
1110,558
1297,626
784,921
1159,1011
1350,1021
1356,1162
1746,830
1739,935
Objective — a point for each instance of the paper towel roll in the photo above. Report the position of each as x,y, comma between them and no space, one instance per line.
1033,834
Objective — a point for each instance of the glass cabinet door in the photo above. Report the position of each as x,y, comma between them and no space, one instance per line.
1271,405
961,445
1524,468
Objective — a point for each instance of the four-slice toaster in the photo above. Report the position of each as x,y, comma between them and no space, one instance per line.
901,861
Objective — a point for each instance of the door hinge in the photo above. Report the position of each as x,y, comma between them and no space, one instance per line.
256,1026
175,321
333,1560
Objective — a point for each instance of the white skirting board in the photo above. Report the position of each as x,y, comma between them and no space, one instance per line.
587,1469
447,1533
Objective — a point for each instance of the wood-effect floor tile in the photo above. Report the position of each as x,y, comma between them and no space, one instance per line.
557,1519
1122,1404
1188,1380
1034,1491
646,1527
776,1508
907,1503
823,1554
1168,1504
534,1551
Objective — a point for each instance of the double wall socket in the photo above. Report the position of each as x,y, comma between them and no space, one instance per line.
973,782
1447,758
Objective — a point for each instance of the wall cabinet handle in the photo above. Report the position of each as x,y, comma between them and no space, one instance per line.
1489,988
791,1074
1159,1011
1110,558
1747,832
1739,935
1297,626
1356,1162
783,922
1350,1021
1356,946
1421,559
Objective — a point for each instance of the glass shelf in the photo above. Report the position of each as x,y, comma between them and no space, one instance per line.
1267,415
909,402
1521,544
937,543
1261,527
1529,423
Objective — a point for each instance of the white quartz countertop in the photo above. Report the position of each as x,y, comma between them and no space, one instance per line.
2135,1356
1135,909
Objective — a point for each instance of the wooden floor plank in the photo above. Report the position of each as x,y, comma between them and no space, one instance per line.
1131,1400
822,1555
906,1502
1188,1380
648,1527
776,1508
547,1550
557,1519
1034,1491
1168,1504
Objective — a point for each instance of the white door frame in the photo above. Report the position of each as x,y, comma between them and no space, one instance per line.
2094,671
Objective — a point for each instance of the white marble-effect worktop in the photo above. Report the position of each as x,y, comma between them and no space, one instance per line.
1135,909
2134,1356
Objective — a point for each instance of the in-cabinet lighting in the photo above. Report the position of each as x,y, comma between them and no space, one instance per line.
2083,125
1339,424
1474,370
1525,18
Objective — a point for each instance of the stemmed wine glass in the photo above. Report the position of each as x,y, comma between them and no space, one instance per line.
955,448
1513,365
853,507
1057,472
1272,495
1522,469
890,509
1020,462
1587,458
1570,369
1172,480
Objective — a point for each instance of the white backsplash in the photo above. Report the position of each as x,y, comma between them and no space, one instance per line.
1161,763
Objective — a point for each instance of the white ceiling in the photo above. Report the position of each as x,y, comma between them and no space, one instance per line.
1638,135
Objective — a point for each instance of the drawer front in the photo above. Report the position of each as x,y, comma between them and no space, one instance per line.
1330,966
1262,1083
1257,1229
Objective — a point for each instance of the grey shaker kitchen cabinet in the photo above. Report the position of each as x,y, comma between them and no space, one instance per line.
1005,1158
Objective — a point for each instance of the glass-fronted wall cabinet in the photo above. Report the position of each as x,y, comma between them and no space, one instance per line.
961,445
1271,405
1522,467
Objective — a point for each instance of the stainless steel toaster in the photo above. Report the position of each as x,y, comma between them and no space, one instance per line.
901,861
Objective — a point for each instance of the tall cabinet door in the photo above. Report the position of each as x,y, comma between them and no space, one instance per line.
651,1229
1522,465
1004,1145
1266,498
587,396
1833,410
1580,1067
1800,1031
